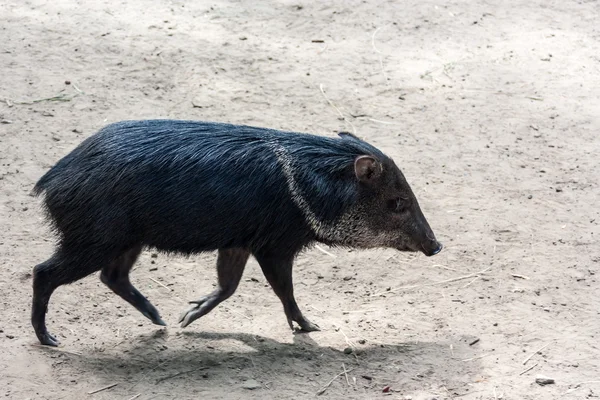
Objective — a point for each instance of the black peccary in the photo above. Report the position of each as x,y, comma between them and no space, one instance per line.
189,187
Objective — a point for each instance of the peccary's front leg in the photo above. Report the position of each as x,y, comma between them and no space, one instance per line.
230,267
278,271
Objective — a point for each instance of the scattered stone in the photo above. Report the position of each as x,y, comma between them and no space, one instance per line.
251,384
10,336
198,103
76,130
362,341
476,340
386,389
348,350
543,380
530,197
5,121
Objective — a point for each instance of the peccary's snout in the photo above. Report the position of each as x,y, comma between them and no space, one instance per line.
425,238
431,247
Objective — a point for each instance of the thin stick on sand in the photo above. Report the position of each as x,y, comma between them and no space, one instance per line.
346,374
535,352
460,278
159,380
161,284
577,386
324,388
469,284
336,109
322,250
478,357
528,369
112,385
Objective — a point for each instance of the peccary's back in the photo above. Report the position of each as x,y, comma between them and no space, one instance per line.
191,186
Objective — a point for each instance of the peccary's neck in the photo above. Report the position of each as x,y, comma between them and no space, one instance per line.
329,208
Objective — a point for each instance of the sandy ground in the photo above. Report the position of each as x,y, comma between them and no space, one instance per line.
492,112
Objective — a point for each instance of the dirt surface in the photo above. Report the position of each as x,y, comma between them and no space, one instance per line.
491,111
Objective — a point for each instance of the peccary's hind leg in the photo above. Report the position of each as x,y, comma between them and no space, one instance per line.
116,277
43,286
230,267
278,271
64,267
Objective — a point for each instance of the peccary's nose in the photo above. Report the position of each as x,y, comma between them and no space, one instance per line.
432,248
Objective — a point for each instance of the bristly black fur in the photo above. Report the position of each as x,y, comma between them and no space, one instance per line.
186,186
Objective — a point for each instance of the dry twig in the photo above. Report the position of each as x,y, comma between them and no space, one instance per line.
180,373
528,369
337,109
460,278
324,388
161,284
346,374
537,351
112,385
322,250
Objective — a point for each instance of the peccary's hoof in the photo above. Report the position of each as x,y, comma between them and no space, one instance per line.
191,314
152,314
48,340
307,326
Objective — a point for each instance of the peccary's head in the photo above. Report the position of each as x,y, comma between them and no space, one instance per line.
386,212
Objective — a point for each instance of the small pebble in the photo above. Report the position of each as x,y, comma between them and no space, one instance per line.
362,341
251,384
348,350
543,380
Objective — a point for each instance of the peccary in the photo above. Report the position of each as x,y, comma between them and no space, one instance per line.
188,187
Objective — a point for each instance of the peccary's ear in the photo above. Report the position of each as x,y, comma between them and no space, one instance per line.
367,168
348,135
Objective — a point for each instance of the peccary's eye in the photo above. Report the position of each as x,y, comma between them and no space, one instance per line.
396,205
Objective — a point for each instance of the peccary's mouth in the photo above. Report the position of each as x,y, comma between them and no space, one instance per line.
432,248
